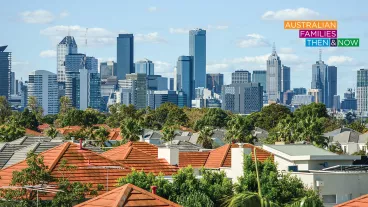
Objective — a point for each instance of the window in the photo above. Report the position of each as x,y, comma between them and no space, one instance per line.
329,198
344,149
364,148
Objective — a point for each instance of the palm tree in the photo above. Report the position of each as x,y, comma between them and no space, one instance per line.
101,135
131,129
168,133
204,137
52,132
90,133
238,129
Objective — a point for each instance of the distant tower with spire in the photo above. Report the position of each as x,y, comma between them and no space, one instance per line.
65,47
274,77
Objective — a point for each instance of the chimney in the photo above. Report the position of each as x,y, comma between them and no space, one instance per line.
237,159
154,189
170,154
80,144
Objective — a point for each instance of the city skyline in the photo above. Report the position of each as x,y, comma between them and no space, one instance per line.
233,43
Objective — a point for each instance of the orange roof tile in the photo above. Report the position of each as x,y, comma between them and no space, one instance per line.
42,127
89,166
31,132
69,129
195,159
221,157
132,155
361,201
115,134
127,195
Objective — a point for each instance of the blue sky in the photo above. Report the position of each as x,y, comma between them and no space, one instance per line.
239,33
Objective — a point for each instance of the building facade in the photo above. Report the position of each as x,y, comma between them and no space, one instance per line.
260,76
156,82
274,77
73,63
299,100
241,76
108,69
184,77
362,90
300,91
145,66
336,102
43,86
242,98
125,55
197,49
317,93
140,89
288,97
157,98
67,46
215,81
88,90
349,102
285,78
5,70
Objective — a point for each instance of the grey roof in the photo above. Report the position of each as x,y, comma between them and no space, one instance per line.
219,133
7,152
68,40
300,150
346,136
183,146
194,138
259,133
337,131
2,48
182,138
363,138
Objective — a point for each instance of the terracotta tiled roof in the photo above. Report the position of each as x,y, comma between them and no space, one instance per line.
31,132
89,166
141,156
195,159
127,195
42,127
262,154
361,201
69,129
216,157
115,134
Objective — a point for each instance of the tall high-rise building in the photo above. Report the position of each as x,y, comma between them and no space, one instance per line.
317,93
125,55
197,49
299,100
73,63
108,69
349,102
362,90
184,77
88,90
140,89
92,64
274,77
157,98
242,98
300,91
5,69
156,83
260,76
336,102
171,84
67,46
285,78
12,83
240,76
324,77
287,97
145,66
43,86
215,81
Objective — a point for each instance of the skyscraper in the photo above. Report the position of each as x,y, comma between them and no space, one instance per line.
156,82
5,69
242,98
157,98
336,102
349,102
285,78
362,90
108,69
73,63
215,81
260,76
140,89
12,83
287,97
144,66
317,93
92,64
324,77
125,55
241,76
183,76
43,85
300,91
197,49
274,77
88,90
65,47
171,84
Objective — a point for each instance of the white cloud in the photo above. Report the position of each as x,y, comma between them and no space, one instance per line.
299,13
179,30
48,54
217,27
152,9
286,50
164,68
95,36
340,60
37,17
216,67
150,38
64,14
253,40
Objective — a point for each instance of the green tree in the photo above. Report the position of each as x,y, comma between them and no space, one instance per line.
213,117
5,110
269,116
168,133
28,120
35,108
119,112
195,199
50,119
35,173
357,126
101,136
336,148
11,131
239,129
52,132
310,130
65,105
204,137
350,117
131,129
